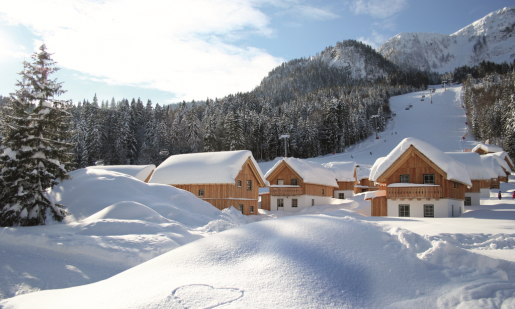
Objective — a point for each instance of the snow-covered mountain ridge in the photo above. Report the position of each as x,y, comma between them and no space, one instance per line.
490,38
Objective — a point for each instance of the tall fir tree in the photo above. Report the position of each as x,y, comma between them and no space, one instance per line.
36,148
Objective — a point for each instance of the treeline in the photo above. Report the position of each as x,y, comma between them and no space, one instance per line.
482,70
490,104
319,122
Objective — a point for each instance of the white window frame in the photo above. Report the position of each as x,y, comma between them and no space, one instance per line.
280,182
280,202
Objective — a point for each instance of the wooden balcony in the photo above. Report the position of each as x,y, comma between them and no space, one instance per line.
414,192
286,191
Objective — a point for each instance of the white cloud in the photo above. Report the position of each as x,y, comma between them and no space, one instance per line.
375,40
183,47
313,13
378,8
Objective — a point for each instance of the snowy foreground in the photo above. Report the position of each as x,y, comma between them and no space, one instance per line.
134,245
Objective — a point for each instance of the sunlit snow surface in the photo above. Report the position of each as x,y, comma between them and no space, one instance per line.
331,256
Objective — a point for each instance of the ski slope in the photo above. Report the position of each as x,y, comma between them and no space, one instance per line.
441,124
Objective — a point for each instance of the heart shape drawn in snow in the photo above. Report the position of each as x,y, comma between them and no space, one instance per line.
203,296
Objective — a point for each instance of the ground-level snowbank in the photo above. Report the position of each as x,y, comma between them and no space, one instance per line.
115,222
322,261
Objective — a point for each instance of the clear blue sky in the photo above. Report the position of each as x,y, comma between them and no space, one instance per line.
168,51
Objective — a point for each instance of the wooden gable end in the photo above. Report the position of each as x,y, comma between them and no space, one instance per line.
285,172
250,165
414,163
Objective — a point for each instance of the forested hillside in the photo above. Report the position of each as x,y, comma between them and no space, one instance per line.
489,96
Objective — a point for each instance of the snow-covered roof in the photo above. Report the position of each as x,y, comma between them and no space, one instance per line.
472,162
492,166
501,161
310,172
140,172
343,171
373,170
504,155
455,171
487,148
373,194
204,168
363,171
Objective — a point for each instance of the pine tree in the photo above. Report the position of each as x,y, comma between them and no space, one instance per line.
35,149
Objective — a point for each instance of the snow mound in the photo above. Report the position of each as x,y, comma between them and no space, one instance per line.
128,210
93,190
230,218
341,261
140,172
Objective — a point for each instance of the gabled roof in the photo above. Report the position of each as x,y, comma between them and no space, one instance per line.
443,163
310,172
472,162
492,166
504,156
501,161
343,171
205,168
487,148
140,172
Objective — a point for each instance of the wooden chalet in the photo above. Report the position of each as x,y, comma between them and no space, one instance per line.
224,179
346,178
363,184
297,184
480,177
486,148
494,169
504,155
504,165
418,180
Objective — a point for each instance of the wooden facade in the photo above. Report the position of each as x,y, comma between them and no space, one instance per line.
265,201
477,185
224,195
495,183
345,185
378,207
285,173
365,182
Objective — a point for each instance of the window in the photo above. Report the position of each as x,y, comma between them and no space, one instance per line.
280,182
200,192
429,179
294,202
403,210
240,207
455,185
251,209
429,211
239,183
404,178
322,191
280,202
249,185
468,201
341,196
312,202
294,182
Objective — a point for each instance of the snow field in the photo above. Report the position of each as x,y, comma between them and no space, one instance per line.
307,261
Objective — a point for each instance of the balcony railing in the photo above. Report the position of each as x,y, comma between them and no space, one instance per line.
414,192
286,191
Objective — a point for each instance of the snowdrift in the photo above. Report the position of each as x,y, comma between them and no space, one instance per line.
300,262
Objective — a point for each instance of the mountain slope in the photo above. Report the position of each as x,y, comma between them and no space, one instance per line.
491,38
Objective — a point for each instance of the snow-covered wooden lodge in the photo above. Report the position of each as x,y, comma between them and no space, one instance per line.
224,179
479,176
296,184
504,164
486,148
418,180
494,169
346,178
363,184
